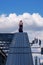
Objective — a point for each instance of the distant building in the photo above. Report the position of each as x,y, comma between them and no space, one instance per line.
41,63
35,41
37,60
3,57
42,50
5,41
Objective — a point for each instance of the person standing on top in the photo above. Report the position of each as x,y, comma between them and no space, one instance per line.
20,26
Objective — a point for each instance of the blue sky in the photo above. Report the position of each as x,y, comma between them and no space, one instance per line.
21,6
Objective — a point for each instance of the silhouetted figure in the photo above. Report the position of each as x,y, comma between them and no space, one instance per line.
20,26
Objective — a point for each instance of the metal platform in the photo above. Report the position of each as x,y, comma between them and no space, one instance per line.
20,51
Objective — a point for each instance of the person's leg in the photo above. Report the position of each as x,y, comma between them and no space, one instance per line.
21,28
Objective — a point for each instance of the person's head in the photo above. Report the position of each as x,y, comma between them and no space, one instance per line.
20,20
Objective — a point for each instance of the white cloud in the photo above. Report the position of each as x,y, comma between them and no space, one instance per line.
38,19
33,24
